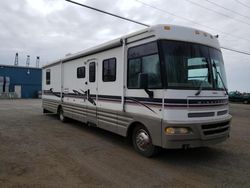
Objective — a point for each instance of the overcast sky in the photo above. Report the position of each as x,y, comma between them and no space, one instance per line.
52,28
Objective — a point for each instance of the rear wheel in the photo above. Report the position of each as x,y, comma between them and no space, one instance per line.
142,142
61,115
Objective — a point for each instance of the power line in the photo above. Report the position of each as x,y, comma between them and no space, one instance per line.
189,20
111,14
245,5
217,12
230,10
233,50
140,23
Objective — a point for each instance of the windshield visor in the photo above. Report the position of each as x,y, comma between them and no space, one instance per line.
191,66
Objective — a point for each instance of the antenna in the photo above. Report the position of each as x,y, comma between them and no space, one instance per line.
16,60
28,61
37,61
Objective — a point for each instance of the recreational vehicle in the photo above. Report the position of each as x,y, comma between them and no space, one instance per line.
162,87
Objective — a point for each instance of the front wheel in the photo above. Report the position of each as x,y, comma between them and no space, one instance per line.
61,115
142,142
245,101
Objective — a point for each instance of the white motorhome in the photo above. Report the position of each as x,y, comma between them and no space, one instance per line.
163,86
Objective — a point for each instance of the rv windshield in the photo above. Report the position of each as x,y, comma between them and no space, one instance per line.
192,66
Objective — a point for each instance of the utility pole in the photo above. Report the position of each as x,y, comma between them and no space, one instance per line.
16,60
37,61
28,61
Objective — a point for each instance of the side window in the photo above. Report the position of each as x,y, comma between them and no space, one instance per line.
80,72
109,70
48,77
134,67
92,72
144,59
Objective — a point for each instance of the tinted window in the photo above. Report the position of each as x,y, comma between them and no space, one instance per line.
92,72
186,65
81,72
109,70
144,59
48,77
134,67
198,69
142,50
191,66
218,68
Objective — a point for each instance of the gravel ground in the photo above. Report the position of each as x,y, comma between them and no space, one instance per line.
38,150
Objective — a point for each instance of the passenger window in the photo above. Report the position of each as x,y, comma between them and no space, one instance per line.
81,72
48,77
109,70
144,59
134,67
92,72
151,66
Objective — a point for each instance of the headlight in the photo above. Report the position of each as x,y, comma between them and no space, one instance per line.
177,130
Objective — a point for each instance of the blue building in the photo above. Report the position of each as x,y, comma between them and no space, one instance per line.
27,80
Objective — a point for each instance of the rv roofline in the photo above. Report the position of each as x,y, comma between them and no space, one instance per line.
102,47
112,44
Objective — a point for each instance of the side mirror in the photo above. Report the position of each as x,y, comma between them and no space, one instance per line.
143,81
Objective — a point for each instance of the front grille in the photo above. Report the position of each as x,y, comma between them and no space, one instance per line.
201,114
215,131
216,128
220,113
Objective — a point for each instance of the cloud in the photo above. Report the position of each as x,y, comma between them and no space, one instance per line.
52,28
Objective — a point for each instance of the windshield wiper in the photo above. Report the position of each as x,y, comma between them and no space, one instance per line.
224,87
200,87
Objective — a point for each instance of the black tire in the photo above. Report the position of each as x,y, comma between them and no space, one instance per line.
61,115
245,101
46,111
142,142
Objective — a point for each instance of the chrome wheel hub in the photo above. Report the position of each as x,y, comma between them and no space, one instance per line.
143,141
61,116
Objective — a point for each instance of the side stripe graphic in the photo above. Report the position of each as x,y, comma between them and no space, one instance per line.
178,103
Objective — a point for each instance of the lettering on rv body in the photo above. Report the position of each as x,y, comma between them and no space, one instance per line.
85,94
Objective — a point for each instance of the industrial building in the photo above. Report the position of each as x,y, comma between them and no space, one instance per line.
20,82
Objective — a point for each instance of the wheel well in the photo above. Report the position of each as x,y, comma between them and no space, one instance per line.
131,128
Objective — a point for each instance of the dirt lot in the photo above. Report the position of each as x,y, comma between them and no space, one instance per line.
38,150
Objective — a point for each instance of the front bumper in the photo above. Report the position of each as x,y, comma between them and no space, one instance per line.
202,134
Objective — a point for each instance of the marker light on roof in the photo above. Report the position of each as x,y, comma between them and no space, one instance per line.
197,32
167,27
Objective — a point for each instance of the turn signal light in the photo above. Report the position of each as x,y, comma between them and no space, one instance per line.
170,130
176,130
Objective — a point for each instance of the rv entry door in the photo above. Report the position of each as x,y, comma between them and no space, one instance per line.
91,91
